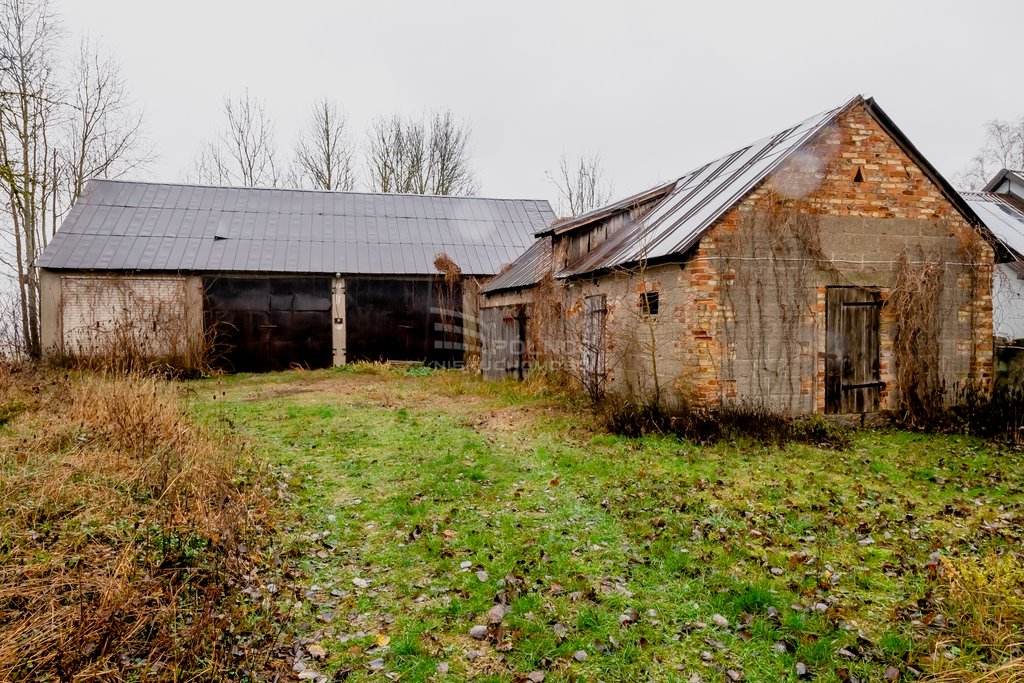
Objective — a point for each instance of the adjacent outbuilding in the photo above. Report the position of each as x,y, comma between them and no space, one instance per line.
828,268
271,278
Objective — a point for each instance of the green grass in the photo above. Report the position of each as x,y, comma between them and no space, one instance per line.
413,474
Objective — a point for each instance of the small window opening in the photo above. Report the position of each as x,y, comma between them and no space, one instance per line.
649,304
859,177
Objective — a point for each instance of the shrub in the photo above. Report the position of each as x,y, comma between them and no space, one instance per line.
705,424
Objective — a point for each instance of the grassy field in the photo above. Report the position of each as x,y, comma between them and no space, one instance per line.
419,502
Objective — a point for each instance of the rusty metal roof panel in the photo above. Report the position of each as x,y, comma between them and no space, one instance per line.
151,226
1002,215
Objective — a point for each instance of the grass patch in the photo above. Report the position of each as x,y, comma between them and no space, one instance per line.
443,495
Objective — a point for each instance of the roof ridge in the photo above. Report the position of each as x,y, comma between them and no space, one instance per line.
314,191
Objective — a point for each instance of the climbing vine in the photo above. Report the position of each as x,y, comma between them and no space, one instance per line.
769,268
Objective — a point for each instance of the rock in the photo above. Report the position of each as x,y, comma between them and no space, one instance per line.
733,675
892,674
801,669
496,615
478,632
580,656
482,576
777,571
720,621
442,667
535,676
360,583
465,564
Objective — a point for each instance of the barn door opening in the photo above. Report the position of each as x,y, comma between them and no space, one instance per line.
852,369
264,324
594,312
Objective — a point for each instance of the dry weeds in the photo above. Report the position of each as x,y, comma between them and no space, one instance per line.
124,534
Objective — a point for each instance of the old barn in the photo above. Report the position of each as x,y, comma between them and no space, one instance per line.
271,278
828,268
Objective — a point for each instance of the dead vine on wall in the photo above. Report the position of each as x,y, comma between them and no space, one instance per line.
768,267
130,331
914,305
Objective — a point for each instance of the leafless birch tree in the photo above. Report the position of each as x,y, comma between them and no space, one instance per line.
420,157
245,152
324,154
29,33
56,130
583,185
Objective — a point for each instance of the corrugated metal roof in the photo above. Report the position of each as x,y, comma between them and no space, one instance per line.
119,225
1003,215
699,198
526,271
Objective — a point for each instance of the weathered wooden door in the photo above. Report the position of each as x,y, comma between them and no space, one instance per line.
594,311
852,375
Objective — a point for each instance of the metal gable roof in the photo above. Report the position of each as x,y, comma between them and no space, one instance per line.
525,271
699,198
1010,174
119,225
1002,215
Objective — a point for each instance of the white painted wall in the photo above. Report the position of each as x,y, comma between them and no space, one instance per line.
1007,303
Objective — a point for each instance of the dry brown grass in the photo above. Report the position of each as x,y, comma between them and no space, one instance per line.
122,534
983,599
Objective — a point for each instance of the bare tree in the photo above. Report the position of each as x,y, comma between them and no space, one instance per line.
29,33
56,130
105,127
583,185
245,152
324,154
449,154
1003,148
418,157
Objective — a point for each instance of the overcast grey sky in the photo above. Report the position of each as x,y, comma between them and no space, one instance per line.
656,88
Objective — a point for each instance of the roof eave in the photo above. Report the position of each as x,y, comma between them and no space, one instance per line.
608,210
